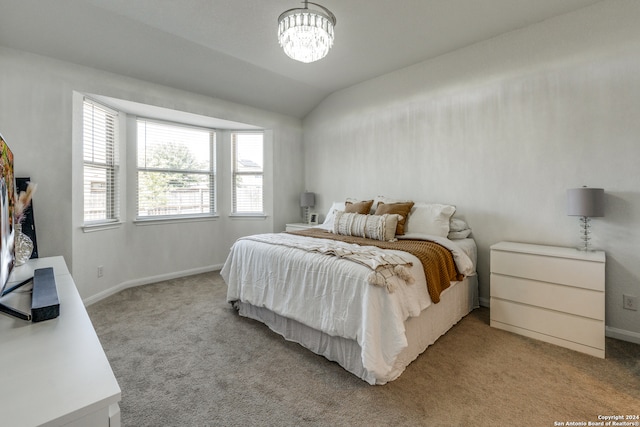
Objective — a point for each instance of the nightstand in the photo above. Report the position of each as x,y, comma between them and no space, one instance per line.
297,226
550,293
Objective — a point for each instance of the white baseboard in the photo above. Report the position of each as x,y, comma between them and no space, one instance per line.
622,334
147,280
484,302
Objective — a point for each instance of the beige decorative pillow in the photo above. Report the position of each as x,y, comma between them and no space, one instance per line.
401,209
363,207
377,227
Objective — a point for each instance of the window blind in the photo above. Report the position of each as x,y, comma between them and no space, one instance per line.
100,158
248,172
176,169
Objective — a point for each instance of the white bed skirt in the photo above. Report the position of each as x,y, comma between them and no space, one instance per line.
455,302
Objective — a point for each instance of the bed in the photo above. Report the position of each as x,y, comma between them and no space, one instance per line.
359,295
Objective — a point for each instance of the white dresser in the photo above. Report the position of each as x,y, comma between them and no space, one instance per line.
550,293
55,372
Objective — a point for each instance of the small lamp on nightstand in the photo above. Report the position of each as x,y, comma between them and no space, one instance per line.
585,202
307,200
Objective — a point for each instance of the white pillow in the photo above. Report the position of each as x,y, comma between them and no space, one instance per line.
328,220
457,224
462,234
430,218
377,227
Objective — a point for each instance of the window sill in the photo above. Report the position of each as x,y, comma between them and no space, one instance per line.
90,228
257,216
174,220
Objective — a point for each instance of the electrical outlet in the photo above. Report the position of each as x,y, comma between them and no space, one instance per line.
100,271
630,302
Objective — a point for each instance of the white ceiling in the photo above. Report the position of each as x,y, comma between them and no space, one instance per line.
228,48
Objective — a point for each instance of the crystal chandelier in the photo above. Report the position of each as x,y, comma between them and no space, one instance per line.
306,35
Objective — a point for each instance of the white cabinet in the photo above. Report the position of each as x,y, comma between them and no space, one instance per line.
297,226
550,293
55,372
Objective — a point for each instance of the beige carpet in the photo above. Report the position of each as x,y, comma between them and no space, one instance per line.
183,357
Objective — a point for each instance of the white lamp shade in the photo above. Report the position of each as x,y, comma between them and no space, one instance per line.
585,201
307,199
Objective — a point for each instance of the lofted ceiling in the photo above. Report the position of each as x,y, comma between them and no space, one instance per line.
228,49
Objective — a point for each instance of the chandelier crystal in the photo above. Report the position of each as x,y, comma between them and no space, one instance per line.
306,35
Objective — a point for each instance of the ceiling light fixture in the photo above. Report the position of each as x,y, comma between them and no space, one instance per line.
306,35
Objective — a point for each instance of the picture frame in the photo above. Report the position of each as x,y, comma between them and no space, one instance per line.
313,218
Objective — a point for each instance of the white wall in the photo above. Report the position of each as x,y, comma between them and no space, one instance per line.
502,129
36,108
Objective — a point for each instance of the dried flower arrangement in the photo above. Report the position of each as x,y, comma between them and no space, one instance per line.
23,202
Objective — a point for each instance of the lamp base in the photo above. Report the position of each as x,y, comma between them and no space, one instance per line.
585,234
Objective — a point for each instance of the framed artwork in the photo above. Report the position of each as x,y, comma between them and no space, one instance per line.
313,218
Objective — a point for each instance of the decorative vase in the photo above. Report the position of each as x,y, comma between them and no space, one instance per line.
23,246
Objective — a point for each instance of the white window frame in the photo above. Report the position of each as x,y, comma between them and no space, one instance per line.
211,173
235,174
110,144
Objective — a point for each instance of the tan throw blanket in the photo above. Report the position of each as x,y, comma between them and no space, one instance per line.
383,265
437,261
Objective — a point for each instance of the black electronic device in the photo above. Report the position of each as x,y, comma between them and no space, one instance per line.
44,298
7,234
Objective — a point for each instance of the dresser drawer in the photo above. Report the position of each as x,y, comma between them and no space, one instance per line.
565,271
576,329
578,301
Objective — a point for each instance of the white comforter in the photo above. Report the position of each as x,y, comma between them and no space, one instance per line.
331,294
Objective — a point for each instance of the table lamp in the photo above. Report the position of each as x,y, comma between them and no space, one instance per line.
307,200
585,202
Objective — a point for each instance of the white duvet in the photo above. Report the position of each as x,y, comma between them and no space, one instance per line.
331,294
